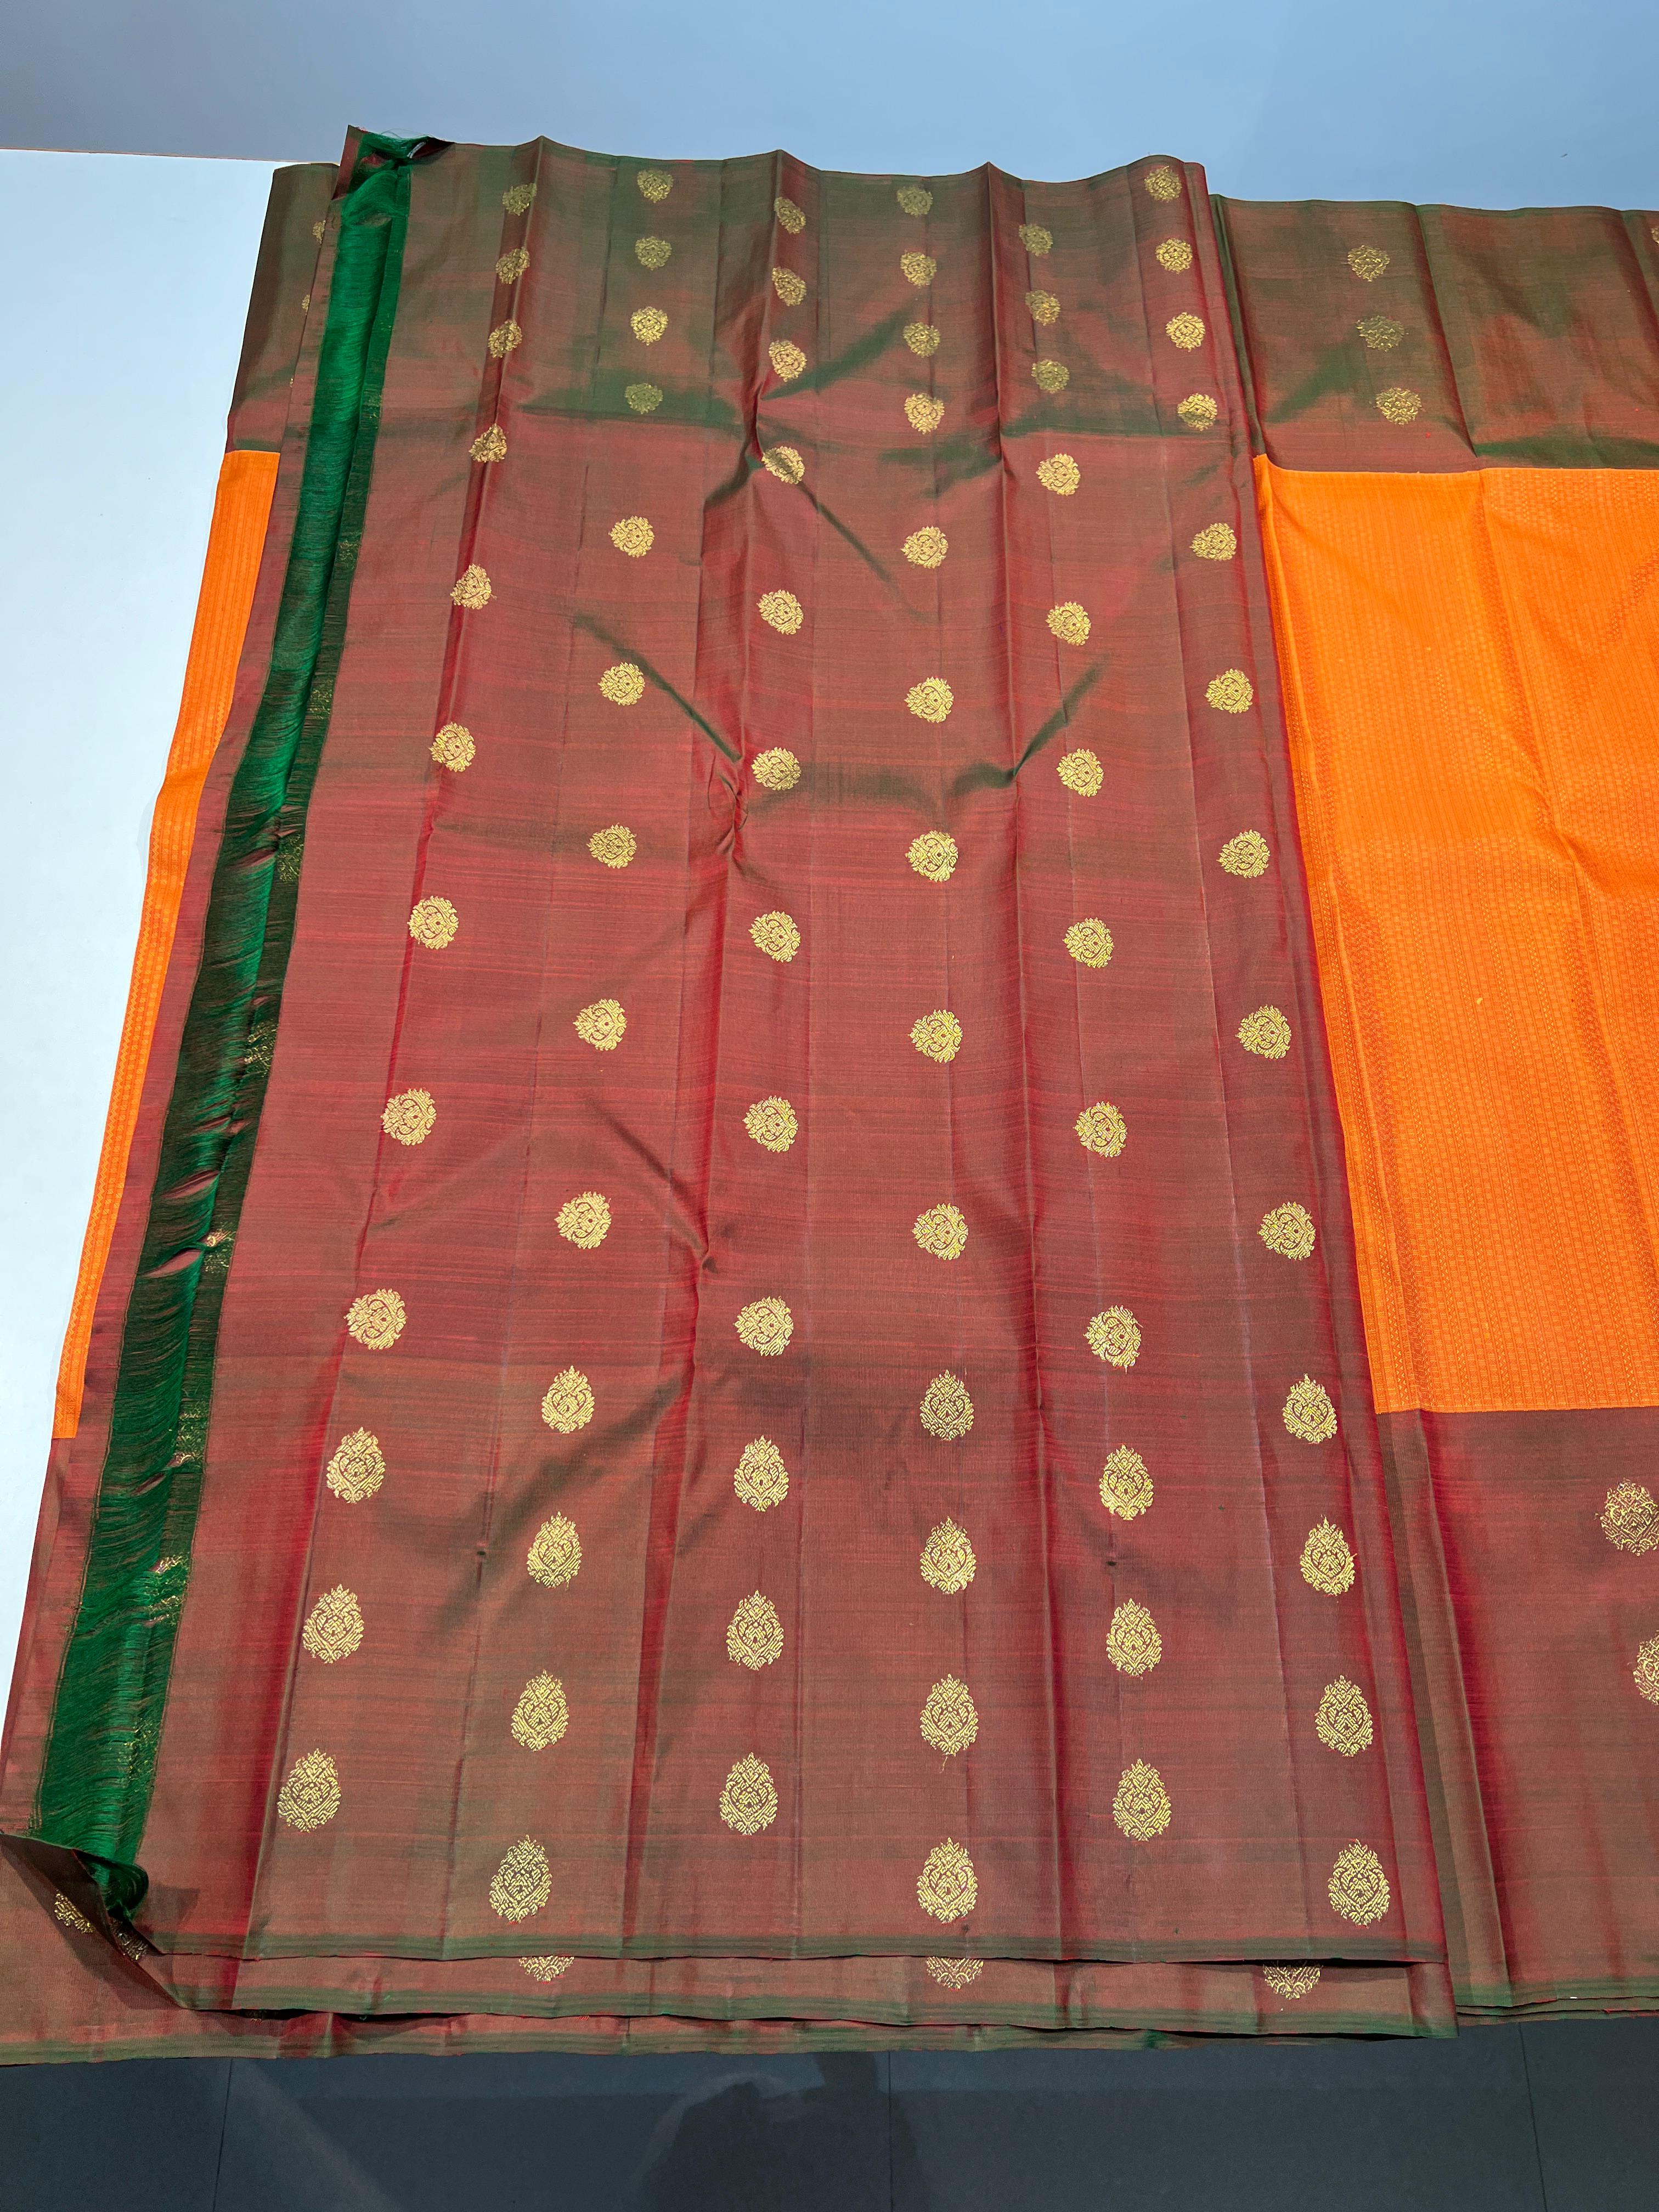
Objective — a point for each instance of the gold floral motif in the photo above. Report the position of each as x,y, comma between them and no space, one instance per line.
653,252
70,1915
377,1320
1036,238
655,184
319,227
947,1562
334,1627
523,1882
568,1404
1043,305
1265,1033
754,1635
776,935
955,1973
454,748
1089,942
931,700
947,1886
1198,411
491,446
547,1968
765,1325
1291,1981
642,398
1232,692
1328,1564
504,338
614,847
432,923
1126,1487
1162,182
311,1796
408,1117
542,1713
1115,1337
947,1410
950,1719
1141,1808
1050,376
357,1468
647,324
914,199
937,1036
601,1024
783,610
934,854
922,413
777,769
792,218
471,589
1081,772
1185,332
517,197
1101,1129
1645,1674
1174,254
1216,541
922,338
623,683
1367,263
1059,474
789,287
920,268
1343,1721
1133,1643
1630,1519
760,1478
942,1231
787,360
512,266
554,1557
749,1802
1288,1231
926,548
585,1220
1398,406
1069,623
771,1123
1381,332
1309,1412
785,463
633,536
1359,1888
1247,854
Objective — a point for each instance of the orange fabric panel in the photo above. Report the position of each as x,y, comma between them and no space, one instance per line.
241,509
1471,668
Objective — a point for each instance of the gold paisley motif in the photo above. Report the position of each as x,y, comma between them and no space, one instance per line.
760,1478
765,1325
792,218
554,1557
1288,1231
471,589
1162,182
377,1319
1216,541
1198,411
653,252
1069,623
1101,1129
776,935
647,324
542,1713
1174,254
1126,1487
1141,1808
777,769
1291,1981
1359,1888
615,845
771,1123
1328,1564
1630,1518
749,1802
490,444
926,548
948,1563
1367,263
950,1719
504,338
947,1886
914,199
789,287
454,748
785,463
633,536
1645,1674
947,1410
1133,1643
922,413
585,1220
69,1915
1232,692
932,700
955,1973
782,610
1115,1337
1185,332
1043,307
1343,1721
623,683
601,1024
357,1468
934,854
1050,376
311,1796
512,266
655,184
432,923
1089,942
1036,238
937,1036
334,1627
1309,1412
523,1882
1399,406
517,197
1059,474
919,269
408,1117
941,1231
1381,332
1081,772
787,360
754,1635
547,1968
643,397
1265,1033
1246,855
567,1403
922,338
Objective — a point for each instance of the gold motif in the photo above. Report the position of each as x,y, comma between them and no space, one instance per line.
785,463
1036,238
947,1410
1141,1808
615,846
749,1802
1290,1981
633,536
432,923
357,1468
926,548
922,413
408,1117
319,227
1288,1230
1101,1129
776,935
647,324
504,338
789,287
491,446
931,700
1133,1643
1631,1520
947,1886
1069,623
792,218
1309,1412
1043,305
922,338
651,252
955,1973
914,199
1381,332
1232,692
542,1713
547,1968
1396,404
1050,376
70,1915
1089,942
1175,255
471,590
777,769
1247,854
754,1635
453,748
642,398
760,1478
783,610
334,1627
942,1231
1162,182
1265,1033
787,360
934,854
1197,411
765,1325
1185,332
920,268
1359,1888
1368,263
623,683
1115,1337
377,1319
950,1719
311,1796
1126,1487
937,1036
655,184
1059,474
947,1562
568,1405
1216,541
771,1123
1645,1674
517,197
554,1557
523,1882
512,266
1343,1721
585,1220
601,1024
1327,1562
1081,772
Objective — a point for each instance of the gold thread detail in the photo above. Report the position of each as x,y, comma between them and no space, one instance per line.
941,1231
408,1117
1133,1643
653,252
1101,1129
554,1557
523,1882
614,847
512,266
1141,1808
1081,772
432,923
357,1468
471,589
1246,854
932,700
334,1627
1398,406
623,683
1069,623
947,1560
919,269
950,1719
754,1635
1185,332
1645,1674
1059,474
1359,1888
782,610
490,446
1126,1487
1043,305
922,338
377,1319
633,536
504,339
785,463
602,1024
643,397
777,769
1216,541
1328,1564
1036,238
70,1915
1630,1518
776,934
947,1410
955,1973
655,184
1343,1721
765,1326
792,218
1381,332
937,1036
771,1123
1265,1033
1198,411
914,199
311,1795
1288,1231
923,414
454,748
1367,263
548,1967
1309,1412
749,1801
1232,692
787,360
926,548
585,1220
760,1478
1174,254
947,1886
517,197
647,324
1162,182
934,854
1050,376
1291,1981
568,1401
789,287
1089,942
1115,1337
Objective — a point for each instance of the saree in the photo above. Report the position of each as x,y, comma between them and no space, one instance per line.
742,1377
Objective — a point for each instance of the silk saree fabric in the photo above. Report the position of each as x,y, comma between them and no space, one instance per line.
729,1402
